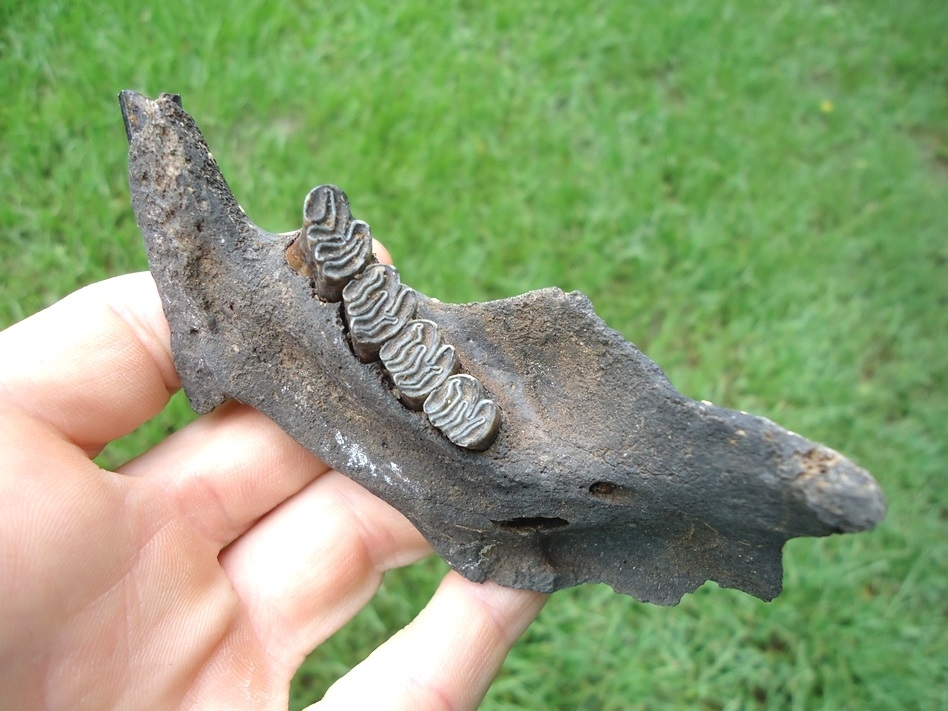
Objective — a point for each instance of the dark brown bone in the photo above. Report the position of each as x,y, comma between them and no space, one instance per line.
601,470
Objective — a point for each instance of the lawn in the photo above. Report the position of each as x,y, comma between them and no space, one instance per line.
756,194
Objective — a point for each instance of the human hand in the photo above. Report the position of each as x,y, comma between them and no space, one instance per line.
201,573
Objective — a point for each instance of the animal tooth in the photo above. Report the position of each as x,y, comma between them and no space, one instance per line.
418,361
326,209
377,307
459,409
337,247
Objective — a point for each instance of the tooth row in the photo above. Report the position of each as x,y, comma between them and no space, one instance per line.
381,313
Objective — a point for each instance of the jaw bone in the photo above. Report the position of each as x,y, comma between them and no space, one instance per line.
599,470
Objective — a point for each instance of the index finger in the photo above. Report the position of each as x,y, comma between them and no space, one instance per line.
93,366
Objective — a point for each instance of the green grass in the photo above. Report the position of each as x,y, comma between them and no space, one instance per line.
754,193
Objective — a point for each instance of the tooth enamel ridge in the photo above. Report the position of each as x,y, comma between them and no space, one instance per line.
380,313
461,411
326,210
377,307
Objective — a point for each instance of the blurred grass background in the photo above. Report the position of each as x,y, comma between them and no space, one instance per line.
754,193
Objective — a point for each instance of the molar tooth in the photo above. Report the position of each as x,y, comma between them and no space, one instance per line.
377,307
418,361
337,247
459,409
326,209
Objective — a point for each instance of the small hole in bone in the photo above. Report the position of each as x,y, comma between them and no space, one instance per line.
613,493
605,489
532,524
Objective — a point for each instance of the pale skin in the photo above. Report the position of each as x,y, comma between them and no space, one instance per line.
200,574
